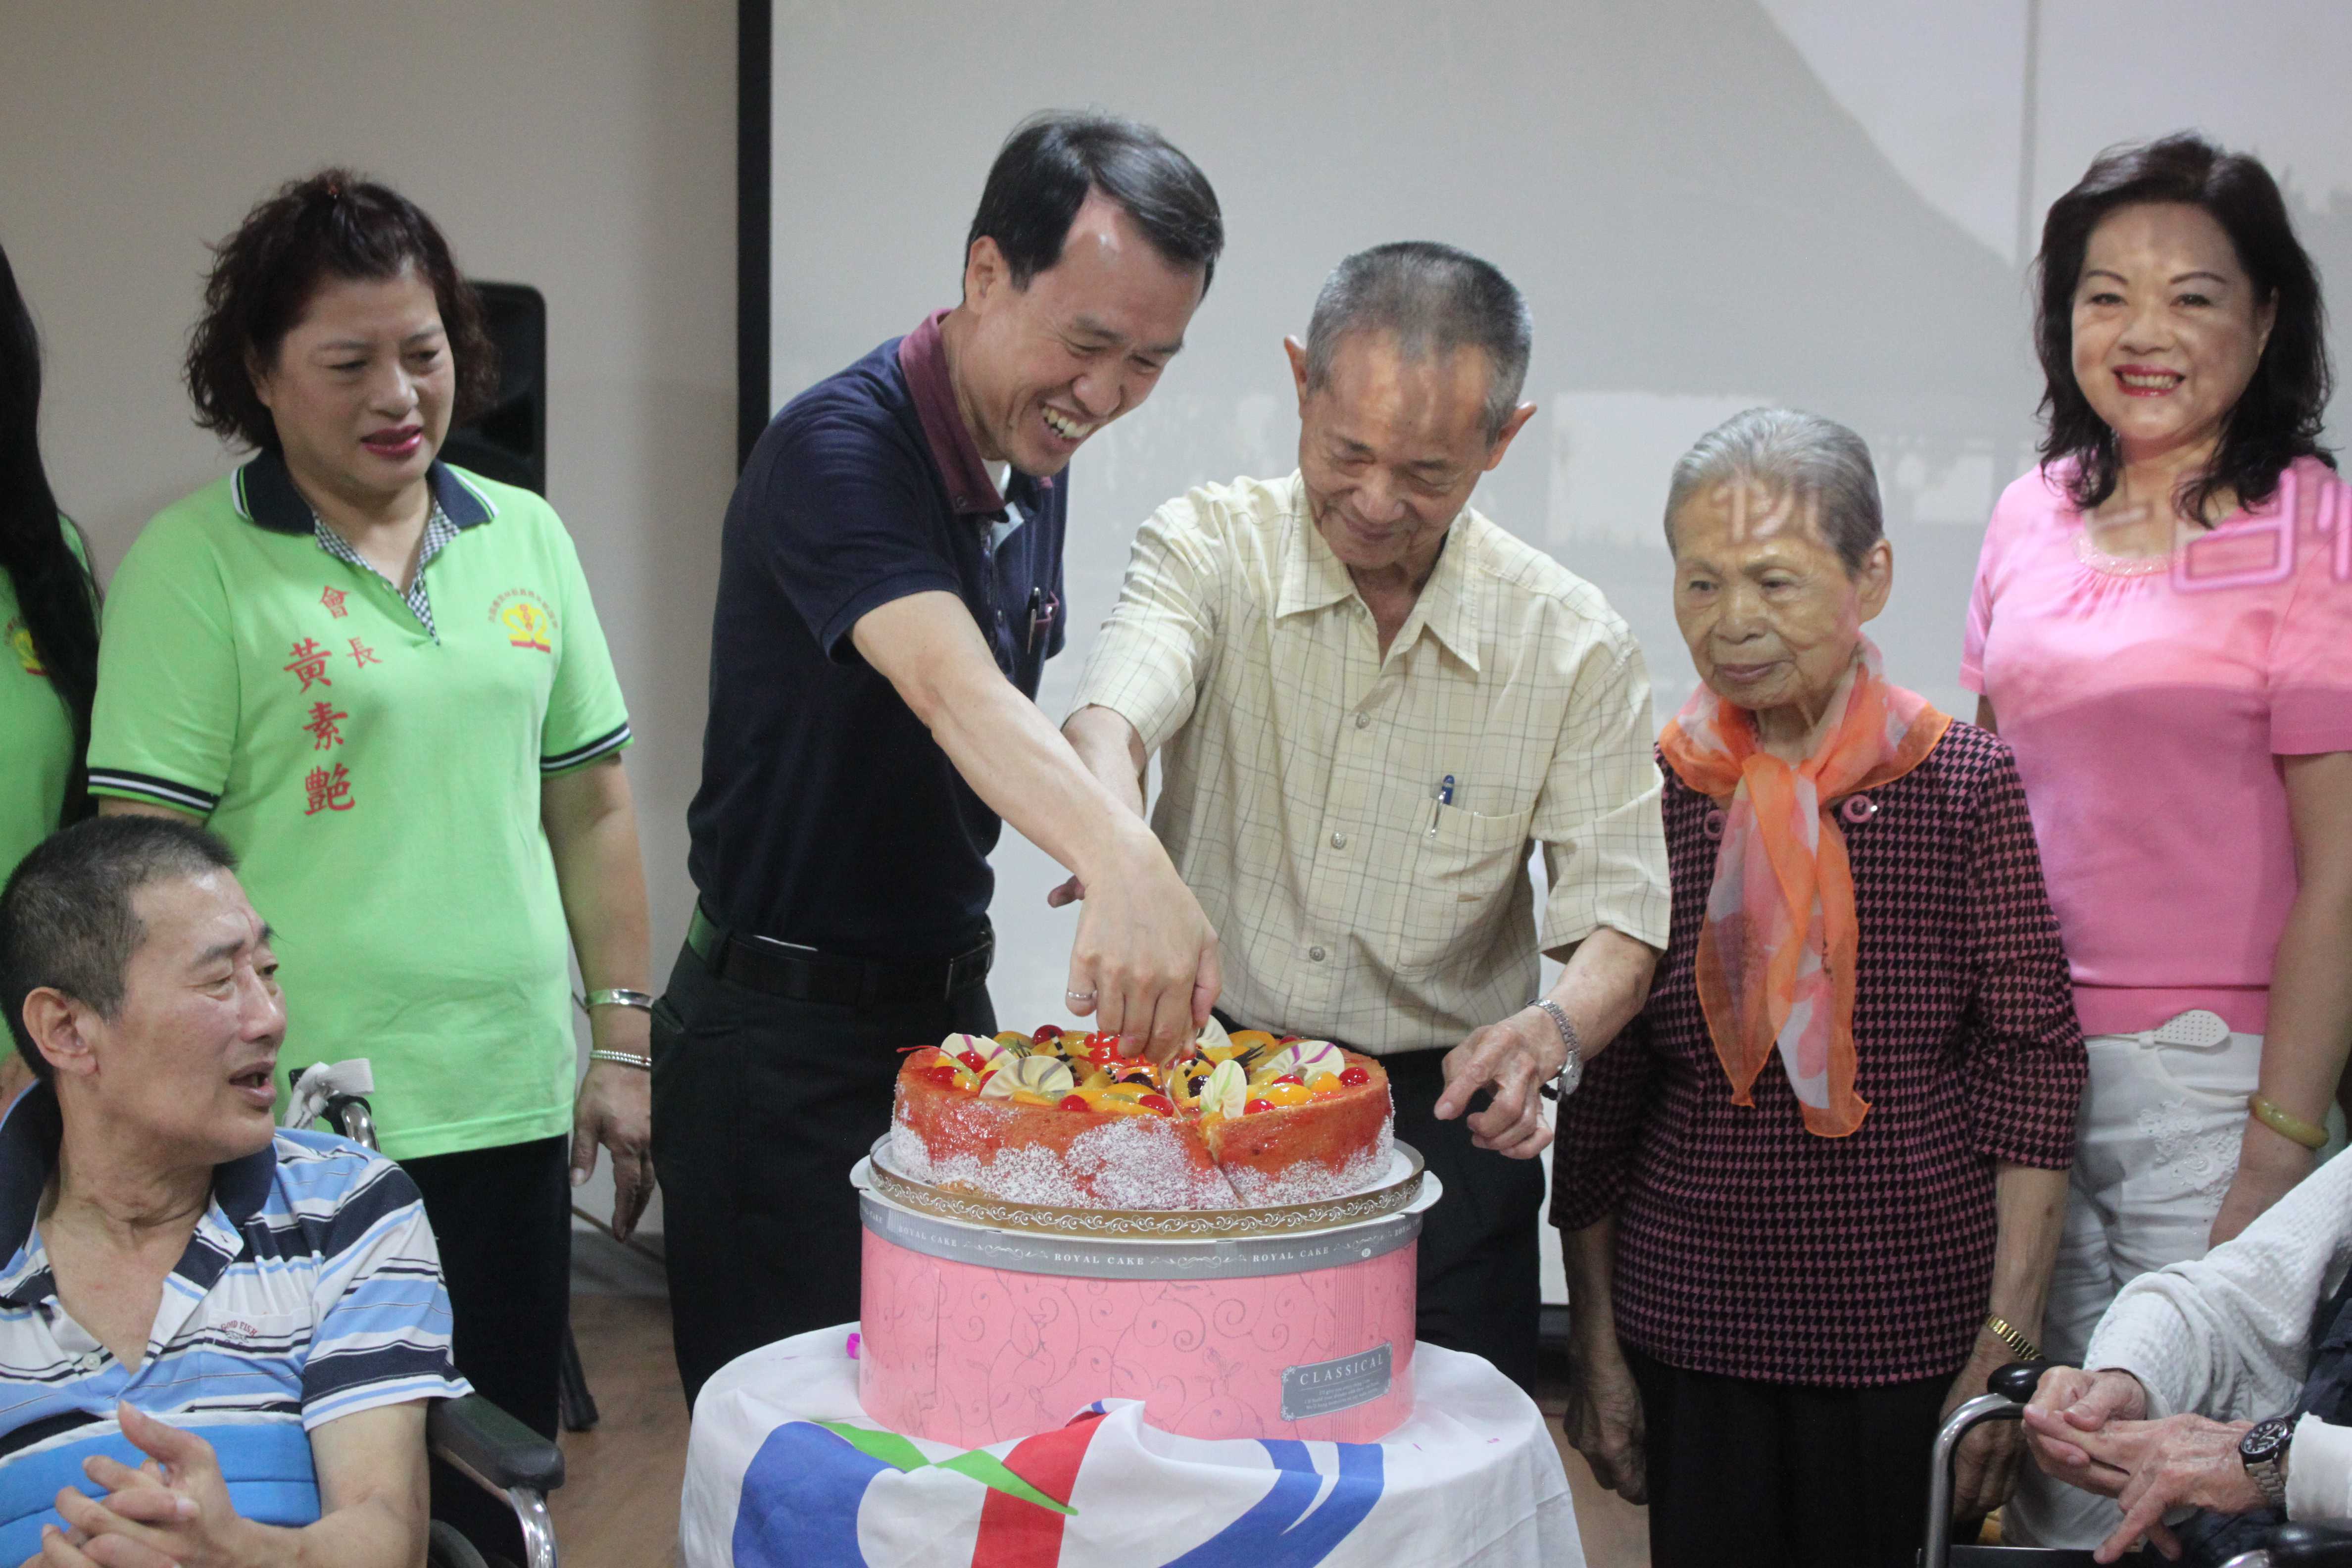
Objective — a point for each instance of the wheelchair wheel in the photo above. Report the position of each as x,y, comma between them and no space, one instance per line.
445,1548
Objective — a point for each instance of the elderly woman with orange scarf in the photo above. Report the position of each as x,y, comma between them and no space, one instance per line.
1810,1197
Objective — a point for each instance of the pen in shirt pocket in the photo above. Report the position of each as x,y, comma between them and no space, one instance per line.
1043,608
1440,798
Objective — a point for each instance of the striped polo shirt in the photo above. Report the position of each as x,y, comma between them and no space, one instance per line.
311,1289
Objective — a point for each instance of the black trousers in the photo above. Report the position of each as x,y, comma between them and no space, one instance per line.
761,1106
503,1219
1479,1267
1770,1475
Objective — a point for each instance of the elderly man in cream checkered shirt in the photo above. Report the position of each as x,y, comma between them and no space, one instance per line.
1369,702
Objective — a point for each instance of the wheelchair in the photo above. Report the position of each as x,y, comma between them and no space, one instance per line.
2288,1546
472,1435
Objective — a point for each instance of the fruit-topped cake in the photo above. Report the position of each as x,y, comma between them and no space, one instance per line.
1062,1117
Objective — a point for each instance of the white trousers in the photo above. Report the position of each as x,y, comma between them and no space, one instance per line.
2156,1148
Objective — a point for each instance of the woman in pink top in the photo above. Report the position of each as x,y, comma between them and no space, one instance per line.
2162,627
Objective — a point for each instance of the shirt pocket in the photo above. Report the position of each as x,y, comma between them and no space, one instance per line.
1460,875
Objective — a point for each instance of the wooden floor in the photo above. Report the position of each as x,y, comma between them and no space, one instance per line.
618,1507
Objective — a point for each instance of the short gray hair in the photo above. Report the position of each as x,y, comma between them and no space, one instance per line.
1435,298
1800,456
66,922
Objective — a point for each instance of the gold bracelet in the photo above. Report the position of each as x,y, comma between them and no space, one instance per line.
2266,1111
2019,1345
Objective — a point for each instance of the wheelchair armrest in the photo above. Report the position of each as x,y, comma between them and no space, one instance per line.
2310,1546
2018,1380
493,1447
354,1116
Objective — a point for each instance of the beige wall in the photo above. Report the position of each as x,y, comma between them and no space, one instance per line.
583,146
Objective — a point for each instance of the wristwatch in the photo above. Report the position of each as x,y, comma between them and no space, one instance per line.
1562,1084
2263,1452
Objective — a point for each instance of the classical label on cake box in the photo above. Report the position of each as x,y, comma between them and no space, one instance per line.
1321,1387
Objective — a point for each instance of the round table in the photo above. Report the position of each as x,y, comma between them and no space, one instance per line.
784,1470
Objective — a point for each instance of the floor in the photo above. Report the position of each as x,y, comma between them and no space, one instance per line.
618,1507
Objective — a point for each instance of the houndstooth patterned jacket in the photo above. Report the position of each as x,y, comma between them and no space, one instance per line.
1745,1246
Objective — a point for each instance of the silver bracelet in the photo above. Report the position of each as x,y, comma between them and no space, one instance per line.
617,997
1571,1071
624,1058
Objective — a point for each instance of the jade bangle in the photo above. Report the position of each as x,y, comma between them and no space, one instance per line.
2267,1113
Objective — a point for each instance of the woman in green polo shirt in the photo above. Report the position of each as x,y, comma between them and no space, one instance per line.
380,679
49,611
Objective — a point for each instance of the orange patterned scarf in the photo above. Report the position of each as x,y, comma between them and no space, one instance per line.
1776,953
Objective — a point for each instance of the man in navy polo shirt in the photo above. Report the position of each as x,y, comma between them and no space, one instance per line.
890,586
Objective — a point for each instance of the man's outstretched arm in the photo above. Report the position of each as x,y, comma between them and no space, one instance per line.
1144,949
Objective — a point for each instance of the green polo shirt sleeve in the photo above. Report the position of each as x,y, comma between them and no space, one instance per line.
586,715
164,728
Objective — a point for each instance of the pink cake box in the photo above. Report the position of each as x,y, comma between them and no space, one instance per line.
972,1334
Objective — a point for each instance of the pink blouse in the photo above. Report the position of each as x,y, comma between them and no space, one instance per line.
2148,703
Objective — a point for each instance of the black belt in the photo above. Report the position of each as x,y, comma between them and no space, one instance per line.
804,975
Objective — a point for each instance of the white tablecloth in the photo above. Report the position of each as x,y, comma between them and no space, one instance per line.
784,1470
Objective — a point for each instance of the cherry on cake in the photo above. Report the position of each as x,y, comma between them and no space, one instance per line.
1061,1118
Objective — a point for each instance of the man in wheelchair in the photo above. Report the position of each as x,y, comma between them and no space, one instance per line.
218,1339
2221,1386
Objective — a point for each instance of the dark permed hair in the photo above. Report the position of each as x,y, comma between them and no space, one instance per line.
1046,168
331,224
2280,415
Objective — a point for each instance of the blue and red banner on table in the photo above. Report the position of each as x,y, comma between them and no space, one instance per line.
805,1489
784,1470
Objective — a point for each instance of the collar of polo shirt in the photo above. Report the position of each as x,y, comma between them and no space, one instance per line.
29,1140
923,361
265,497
